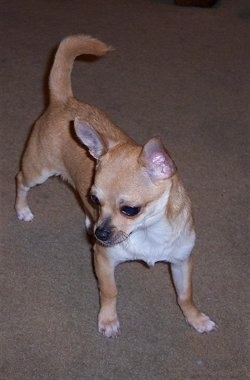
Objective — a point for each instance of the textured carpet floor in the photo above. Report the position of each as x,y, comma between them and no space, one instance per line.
182,73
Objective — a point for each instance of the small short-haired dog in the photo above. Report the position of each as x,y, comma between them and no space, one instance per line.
134,201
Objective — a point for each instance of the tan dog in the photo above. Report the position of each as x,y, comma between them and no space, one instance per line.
142,214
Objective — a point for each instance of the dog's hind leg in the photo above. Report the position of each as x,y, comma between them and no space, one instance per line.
23,185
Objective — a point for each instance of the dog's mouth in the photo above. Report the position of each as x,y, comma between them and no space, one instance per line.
118,238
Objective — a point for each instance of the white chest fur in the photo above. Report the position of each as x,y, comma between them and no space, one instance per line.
157,242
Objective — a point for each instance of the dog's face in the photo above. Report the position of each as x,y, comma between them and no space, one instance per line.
131,185
125,196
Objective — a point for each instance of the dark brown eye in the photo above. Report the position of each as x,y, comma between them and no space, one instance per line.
94,199
130,211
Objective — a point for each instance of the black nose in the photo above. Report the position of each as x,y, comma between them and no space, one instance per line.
103,233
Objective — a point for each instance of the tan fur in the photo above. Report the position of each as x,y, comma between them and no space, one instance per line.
141,209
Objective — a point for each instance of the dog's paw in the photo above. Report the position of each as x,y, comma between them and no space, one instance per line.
202,323
25,214
109,328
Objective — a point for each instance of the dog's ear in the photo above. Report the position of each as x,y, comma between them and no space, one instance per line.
157,162
89,137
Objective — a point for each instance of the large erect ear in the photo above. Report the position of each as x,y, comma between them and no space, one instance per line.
156,161
89,137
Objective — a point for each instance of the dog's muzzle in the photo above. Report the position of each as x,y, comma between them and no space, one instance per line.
108,235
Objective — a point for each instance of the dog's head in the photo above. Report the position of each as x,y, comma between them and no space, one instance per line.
131,184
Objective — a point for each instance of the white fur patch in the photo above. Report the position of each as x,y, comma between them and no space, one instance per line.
153,244
203,324
25,214
46,173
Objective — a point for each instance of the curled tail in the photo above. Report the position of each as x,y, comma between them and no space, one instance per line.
69,49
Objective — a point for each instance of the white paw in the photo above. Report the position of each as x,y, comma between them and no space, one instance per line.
109,328
25,214
203,324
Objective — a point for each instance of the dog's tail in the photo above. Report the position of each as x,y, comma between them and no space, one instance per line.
69,49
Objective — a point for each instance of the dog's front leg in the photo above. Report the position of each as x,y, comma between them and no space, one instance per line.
182,277
108,323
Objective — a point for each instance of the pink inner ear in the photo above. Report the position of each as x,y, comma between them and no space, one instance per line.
161,163
158,158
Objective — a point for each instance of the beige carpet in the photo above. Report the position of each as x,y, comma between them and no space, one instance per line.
182,73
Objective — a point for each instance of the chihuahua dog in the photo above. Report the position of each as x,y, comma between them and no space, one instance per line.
134,202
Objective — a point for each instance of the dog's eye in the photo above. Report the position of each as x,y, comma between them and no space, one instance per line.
94,199
130,211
